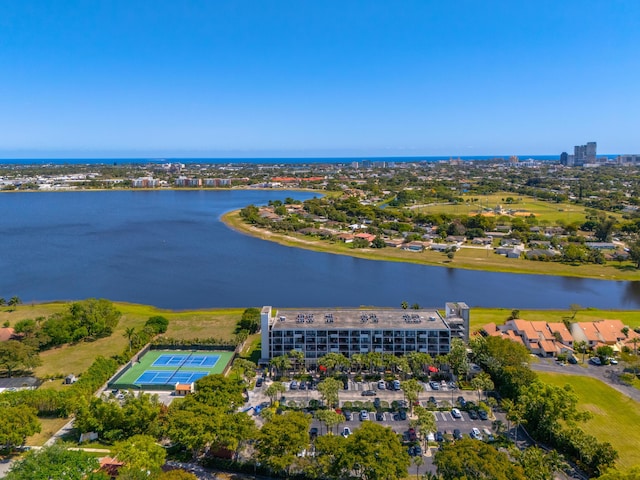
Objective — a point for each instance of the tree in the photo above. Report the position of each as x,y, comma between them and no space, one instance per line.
373,452
297,360
333,361
581,346
538,464
405,305
177,475
632,474
330,418
220,391
482,382
18,422
472,459
15,354
426,422
274,390
634,253
14,302
328,389
158,324
458,358
140,453
411,389
250,320
129,333
281,363
281,439
56,461
604,353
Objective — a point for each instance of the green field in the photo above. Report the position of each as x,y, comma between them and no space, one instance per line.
616,417
544,211
146,363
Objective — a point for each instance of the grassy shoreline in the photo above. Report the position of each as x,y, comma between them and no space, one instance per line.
466,258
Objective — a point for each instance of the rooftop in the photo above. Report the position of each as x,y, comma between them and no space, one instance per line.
378,319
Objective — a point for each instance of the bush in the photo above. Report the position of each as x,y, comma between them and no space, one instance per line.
158,324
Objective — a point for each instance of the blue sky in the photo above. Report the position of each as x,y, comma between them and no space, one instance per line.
317,78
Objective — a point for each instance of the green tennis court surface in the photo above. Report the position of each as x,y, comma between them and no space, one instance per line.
162,369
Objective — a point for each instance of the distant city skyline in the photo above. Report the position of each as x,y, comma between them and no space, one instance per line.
233,79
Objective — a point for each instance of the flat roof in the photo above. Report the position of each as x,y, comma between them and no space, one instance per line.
360,319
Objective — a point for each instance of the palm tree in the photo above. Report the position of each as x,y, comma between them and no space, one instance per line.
129,333
581,346
14,302
2,301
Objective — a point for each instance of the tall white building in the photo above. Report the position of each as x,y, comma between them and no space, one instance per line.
316,332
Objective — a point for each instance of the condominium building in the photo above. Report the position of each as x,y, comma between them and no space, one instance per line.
316,332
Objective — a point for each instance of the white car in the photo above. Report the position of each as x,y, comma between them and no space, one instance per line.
364,415
346,431
475,433
613,361
381,385
595,360
455,413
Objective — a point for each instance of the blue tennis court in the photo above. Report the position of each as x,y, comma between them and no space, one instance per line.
186,360
159,377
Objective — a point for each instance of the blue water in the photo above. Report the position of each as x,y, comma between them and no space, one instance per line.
169,249
284,160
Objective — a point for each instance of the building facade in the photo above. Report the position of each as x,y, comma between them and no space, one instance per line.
316,332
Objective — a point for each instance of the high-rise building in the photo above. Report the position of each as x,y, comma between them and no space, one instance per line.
564,158
583,154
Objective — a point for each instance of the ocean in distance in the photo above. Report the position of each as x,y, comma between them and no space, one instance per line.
257,161
169,249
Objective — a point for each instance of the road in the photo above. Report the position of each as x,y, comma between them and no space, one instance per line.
608,374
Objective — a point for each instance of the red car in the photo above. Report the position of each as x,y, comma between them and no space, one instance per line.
412,435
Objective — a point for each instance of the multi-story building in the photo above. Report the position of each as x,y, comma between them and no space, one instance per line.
316,332
144,182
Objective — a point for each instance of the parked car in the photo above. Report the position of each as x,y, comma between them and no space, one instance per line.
431,437
369,393
483,415
293,385
488,434
303,386
412,435
364,415
461,401
376,403
475,434
396,385
411,450
473,415
572,360
432,399
382,385
380,416
346,431
348,416
439,437
595,360
457,435
455,413
417,450
613,361
259,382
434,385
313,433
402,414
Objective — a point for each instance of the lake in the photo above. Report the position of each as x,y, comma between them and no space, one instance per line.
169,249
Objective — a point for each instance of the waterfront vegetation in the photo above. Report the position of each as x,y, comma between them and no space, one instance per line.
476,258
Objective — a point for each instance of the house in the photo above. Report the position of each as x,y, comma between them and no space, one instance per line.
183,389
413,246
535,253
70,379
539,337
600,245
365,236
6,333
346,237
482,241
393,242
601,332
110,466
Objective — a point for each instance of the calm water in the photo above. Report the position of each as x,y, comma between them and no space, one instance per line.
169,249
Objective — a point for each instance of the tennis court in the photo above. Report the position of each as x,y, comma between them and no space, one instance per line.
162,369
186,360
155,377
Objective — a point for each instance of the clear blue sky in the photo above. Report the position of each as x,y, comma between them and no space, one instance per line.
317,78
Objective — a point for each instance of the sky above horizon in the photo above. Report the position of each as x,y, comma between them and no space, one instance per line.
132,78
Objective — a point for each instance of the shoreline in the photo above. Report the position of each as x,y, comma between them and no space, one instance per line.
233,221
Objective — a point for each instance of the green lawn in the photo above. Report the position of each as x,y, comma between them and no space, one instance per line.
616,417
544,211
